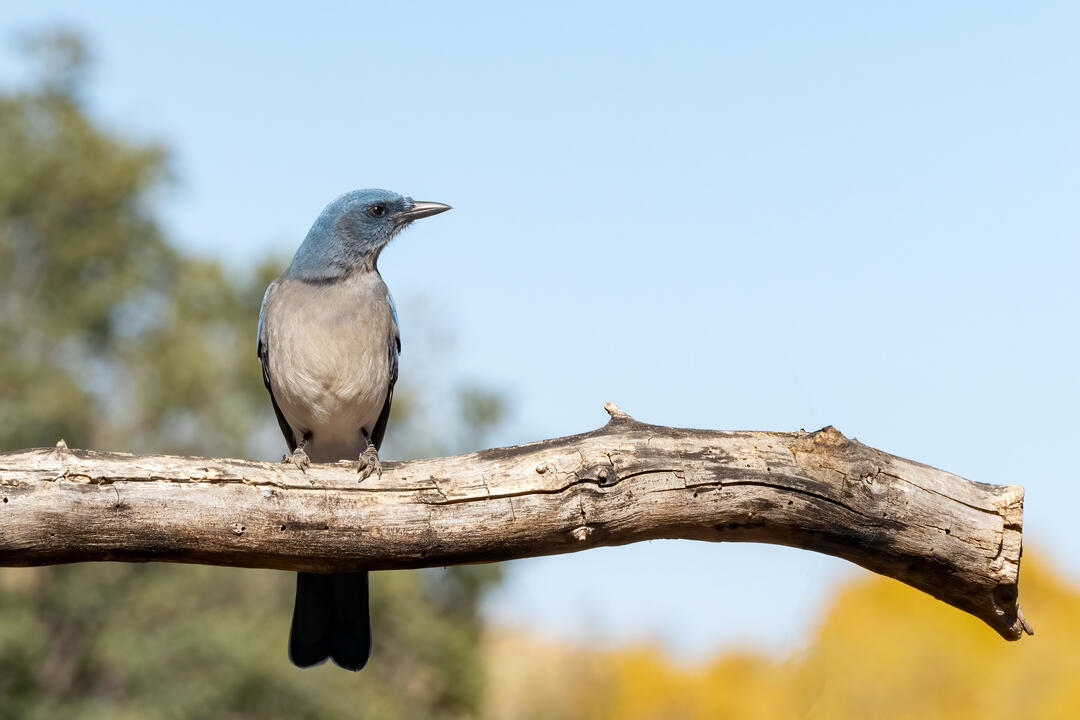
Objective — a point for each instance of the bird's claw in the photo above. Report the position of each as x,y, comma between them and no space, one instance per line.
369,464
298,458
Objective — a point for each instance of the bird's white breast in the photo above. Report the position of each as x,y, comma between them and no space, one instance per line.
329,359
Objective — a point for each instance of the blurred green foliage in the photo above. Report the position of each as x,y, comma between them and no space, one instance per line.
112,339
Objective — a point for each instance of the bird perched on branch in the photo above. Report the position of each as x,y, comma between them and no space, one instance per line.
329,346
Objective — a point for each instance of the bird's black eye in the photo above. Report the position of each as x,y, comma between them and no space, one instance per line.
377,210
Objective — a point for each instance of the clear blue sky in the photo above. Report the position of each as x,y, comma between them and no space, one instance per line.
753,215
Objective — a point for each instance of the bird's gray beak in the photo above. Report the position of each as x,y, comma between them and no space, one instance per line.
421,210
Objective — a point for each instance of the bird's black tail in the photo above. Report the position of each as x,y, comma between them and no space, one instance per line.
331,620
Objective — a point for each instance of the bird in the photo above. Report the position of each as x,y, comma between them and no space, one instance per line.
328,344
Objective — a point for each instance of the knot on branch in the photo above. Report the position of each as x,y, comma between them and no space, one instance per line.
827,436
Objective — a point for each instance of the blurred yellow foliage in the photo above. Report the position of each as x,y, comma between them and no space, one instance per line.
883,650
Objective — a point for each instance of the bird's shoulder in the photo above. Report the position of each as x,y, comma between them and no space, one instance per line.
266,301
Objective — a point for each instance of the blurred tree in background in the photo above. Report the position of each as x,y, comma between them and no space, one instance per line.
112,339
883,650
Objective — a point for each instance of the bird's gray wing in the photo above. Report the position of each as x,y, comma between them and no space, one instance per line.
395,351
264,360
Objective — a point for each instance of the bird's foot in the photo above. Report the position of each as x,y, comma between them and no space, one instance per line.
369,464
298,458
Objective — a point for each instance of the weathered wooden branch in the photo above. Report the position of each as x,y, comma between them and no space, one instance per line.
957,540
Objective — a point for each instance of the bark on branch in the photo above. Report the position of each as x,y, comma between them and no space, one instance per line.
957,540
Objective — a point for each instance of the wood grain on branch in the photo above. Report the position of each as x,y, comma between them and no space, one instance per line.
957,540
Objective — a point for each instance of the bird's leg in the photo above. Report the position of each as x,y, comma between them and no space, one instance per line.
298,457
369,460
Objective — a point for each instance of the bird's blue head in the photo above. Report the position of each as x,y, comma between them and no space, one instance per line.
351,231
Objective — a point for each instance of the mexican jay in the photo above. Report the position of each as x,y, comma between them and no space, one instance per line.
329,345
